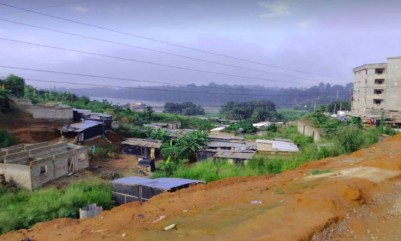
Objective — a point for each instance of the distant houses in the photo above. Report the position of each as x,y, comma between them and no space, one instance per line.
88,125
82,115
138,106
142,147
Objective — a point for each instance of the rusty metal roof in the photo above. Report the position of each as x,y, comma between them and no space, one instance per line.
143,142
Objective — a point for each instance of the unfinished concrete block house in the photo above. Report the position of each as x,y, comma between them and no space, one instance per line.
32,165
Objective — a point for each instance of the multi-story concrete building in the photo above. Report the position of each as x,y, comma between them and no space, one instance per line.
377,90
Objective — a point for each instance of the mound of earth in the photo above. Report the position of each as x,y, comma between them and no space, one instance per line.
29,130
353,197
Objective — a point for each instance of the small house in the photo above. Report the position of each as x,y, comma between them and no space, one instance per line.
105,118
83,131
235,157
130,189
81,115
142,147
138,106
280,147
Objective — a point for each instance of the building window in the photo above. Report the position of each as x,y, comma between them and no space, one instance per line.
377,101
378,91
379,81
379,71
43,170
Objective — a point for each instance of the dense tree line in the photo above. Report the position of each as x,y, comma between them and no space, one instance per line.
254,111
215,94
185,108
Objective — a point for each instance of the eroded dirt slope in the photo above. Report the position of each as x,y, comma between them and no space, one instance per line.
356,200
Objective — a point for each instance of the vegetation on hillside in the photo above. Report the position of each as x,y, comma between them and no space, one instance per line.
215,94
22,209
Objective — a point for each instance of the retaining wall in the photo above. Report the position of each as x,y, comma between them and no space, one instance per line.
305,128
51,112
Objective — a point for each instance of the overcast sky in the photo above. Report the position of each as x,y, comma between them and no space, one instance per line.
324,38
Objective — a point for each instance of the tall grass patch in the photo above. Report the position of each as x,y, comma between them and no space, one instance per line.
22,209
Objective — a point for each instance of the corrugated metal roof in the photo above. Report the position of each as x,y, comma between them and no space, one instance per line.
280,145
165,183
225,138
81,126
143,142
261,124
218,144
221,128
234,155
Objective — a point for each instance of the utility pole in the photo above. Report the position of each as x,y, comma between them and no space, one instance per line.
335,106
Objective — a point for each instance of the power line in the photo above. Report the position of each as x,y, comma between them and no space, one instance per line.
51,6
118,78
152,50
145,81
144,62
166,42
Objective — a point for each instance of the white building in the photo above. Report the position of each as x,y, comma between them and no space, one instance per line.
377,90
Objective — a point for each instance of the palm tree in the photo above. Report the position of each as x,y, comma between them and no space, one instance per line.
190,144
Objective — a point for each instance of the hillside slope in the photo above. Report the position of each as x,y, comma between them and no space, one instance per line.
356,200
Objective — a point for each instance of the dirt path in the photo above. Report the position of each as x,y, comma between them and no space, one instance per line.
358,199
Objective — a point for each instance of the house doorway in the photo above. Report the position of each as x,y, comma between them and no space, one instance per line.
70,165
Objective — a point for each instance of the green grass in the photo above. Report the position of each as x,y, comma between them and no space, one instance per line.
210,170
22,209
291,115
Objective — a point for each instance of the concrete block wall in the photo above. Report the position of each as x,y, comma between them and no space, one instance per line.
40,152
18,174
21,158
14,149
60,147
60,162
305,128
81,159
38,177
37,145
51,112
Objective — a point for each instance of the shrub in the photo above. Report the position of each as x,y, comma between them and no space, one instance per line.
6,139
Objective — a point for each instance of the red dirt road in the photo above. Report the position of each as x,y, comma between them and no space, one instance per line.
358,200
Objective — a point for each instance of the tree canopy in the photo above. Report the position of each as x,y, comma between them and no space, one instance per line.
252,110
15,85
185,108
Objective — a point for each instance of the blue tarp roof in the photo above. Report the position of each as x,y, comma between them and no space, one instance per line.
165,183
